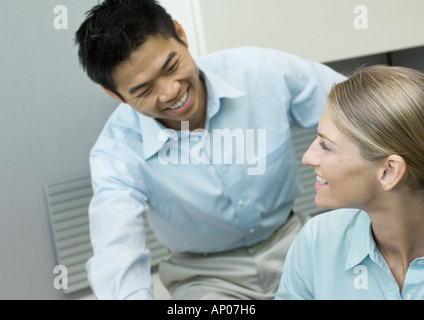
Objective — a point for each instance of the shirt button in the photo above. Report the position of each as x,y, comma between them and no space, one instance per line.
252,230
241,203
225,169
408,296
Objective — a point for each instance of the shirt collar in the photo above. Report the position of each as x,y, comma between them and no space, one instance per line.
362,242
216,90
363,245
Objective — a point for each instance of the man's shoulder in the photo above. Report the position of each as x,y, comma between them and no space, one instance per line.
233,57
122,126
124,118
260,59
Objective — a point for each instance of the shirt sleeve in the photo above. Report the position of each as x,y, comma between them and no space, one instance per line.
120,266
308,83
297,279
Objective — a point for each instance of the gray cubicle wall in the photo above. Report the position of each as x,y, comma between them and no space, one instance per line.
50,116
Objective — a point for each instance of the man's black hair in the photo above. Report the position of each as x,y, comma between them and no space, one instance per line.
115,28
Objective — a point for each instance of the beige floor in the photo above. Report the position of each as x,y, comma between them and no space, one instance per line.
159,290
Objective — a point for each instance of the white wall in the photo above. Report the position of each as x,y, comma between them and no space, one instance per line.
188,14
320,30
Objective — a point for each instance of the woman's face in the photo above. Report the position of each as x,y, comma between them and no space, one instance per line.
344,178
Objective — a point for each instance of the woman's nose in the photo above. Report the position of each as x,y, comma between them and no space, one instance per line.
310,158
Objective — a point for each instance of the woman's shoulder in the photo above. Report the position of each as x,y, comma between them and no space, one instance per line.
334,224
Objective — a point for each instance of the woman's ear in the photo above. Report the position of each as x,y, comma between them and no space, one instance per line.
392,172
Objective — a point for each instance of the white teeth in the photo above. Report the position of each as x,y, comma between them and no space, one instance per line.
180,103
321,180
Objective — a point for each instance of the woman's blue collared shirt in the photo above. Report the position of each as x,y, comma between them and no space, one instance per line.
335,257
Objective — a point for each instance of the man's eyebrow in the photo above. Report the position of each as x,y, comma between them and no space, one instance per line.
326,138
171,55
136,88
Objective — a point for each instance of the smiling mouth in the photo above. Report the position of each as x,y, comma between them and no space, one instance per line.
180,103
321,180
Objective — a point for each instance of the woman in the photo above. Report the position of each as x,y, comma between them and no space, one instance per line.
368,156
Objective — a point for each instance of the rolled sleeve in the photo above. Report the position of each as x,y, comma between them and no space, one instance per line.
120,266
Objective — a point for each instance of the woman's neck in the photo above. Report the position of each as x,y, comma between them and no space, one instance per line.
398,229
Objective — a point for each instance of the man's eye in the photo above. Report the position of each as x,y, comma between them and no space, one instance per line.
144,93
173,67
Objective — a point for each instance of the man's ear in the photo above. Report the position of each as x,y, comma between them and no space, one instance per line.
392,172
113,95
180,32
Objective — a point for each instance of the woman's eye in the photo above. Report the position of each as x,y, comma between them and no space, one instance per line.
323,146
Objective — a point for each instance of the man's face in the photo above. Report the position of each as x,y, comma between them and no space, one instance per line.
161,80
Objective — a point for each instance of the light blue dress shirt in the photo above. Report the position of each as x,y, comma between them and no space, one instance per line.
202,207
335,257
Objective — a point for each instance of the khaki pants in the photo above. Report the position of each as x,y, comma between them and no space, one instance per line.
248,273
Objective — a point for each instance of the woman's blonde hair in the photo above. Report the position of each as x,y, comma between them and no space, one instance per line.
382,109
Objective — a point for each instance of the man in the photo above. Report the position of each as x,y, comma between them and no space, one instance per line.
202,147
